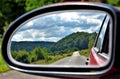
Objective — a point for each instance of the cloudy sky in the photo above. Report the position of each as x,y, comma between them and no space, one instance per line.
56,26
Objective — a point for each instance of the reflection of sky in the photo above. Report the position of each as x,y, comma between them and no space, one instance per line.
104,28
54,27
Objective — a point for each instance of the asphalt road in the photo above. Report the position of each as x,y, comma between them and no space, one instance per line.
76,59
19,75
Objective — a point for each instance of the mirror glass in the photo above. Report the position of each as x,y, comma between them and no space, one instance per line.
66,38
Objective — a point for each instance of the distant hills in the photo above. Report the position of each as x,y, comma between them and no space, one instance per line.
30,45
72,42
75,41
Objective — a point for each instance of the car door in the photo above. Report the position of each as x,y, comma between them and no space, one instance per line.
100,52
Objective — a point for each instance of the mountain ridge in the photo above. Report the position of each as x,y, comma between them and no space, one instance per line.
75,41
70,43
29,45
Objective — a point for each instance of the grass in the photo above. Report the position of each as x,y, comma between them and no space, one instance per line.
39,62
85,52
52,59
3,66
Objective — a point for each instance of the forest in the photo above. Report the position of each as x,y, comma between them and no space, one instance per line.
79,41
30,45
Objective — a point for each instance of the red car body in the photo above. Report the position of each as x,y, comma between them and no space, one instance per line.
95,60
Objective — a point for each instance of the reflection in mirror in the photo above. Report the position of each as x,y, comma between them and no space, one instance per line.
62,38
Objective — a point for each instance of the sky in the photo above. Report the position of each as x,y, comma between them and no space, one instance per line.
55,26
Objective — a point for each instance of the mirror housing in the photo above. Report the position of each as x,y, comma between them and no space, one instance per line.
63,71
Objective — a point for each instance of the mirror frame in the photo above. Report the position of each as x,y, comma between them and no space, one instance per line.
57,71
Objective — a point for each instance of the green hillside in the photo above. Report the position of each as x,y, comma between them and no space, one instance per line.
74,42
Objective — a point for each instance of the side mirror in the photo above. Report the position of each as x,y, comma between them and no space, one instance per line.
63,39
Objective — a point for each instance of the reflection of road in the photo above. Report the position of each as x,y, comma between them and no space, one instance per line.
75,59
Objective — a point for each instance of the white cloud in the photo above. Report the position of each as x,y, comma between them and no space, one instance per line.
30,23
53,39
61,28
93,20
56,26
90,30
69,17
29,35
76,29
17,37
20,37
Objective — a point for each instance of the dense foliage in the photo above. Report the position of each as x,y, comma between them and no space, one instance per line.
28,57
74,42
3,66
30,45
31,4
37,56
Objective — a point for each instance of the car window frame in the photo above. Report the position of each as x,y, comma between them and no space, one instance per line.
99,51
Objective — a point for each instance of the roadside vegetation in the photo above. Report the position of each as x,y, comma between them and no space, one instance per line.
38,56
3,66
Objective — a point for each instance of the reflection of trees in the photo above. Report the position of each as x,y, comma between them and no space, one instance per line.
98,45
38,55
28,57
21,56
74,42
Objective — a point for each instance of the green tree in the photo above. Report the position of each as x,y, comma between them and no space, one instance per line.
39,54
21,56
92,40
9,11
32,4
85,52
73,42
114,2
14,54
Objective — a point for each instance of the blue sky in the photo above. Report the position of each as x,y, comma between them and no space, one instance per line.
56,26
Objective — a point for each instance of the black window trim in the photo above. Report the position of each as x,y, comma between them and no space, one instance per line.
99,52
95,45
